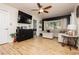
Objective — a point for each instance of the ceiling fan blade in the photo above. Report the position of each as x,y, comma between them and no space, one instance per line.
46,11
38,4
47,7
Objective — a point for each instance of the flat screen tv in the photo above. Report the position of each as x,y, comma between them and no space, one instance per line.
24,18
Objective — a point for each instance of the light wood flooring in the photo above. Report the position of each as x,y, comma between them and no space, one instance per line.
36,46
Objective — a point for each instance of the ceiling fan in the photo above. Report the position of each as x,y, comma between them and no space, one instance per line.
41,9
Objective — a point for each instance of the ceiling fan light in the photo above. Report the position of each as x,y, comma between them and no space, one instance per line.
41,10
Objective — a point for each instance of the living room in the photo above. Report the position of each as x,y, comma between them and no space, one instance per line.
32,30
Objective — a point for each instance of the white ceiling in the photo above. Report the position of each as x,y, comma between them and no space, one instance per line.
58,9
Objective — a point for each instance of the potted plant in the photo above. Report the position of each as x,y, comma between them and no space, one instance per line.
13,35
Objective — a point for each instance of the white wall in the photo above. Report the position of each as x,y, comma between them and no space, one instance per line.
73,18
35,17
77,21
13,12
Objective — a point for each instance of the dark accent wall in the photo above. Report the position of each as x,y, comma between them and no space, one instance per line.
56,18
24,17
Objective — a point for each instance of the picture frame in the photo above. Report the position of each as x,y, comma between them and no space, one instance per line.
77,11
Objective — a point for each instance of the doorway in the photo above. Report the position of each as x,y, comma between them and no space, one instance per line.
35,27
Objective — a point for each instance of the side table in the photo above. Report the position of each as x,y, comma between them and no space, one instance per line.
70,39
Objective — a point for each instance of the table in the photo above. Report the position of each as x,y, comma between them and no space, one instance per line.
70,39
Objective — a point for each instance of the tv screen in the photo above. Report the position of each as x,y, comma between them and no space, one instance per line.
24,18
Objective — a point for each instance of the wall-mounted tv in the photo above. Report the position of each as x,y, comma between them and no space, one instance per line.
24,18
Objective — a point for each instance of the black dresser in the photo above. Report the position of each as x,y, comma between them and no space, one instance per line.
24,34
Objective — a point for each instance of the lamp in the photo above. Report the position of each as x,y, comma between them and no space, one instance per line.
71,29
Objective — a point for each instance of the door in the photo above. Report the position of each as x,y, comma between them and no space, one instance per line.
4,26
35,26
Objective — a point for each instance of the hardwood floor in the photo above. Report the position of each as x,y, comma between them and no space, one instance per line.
36,46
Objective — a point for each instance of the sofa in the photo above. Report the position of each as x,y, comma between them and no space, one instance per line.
47,35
